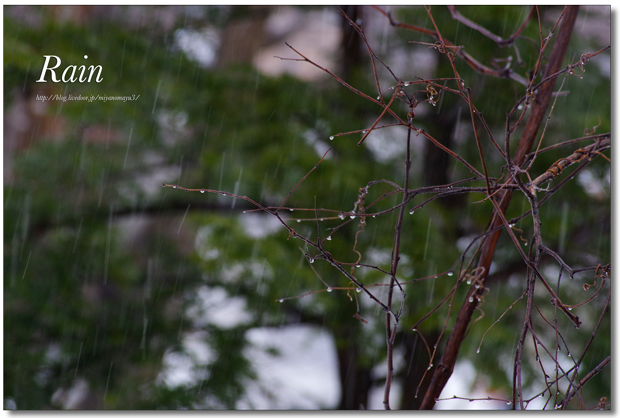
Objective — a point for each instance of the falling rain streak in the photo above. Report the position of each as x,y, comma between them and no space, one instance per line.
128,145
236,190
108,240
183,220
428,236
156,97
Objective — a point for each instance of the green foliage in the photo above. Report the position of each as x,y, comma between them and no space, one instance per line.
101,268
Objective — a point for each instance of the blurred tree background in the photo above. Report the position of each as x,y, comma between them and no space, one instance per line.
119,294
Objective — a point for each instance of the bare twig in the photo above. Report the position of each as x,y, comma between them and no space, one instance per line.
473,265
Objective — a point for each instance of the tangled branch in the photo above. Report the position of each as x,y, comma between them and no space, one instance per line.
519,177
